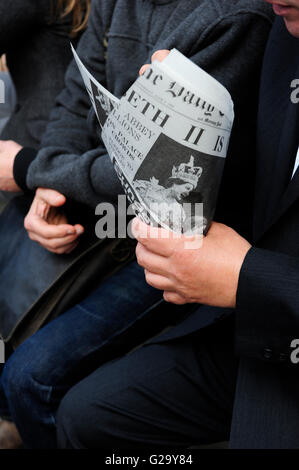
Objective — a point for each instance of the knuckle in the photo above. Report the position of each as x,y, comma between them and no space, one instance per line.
138,248
27,223
149,279
173,298
60,251
44,245
31,236
177,300
140,260
139,255
54,245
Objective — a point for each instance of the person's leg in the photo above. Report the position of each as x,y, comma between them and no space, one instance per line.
44,367
9,435
174,394
4,409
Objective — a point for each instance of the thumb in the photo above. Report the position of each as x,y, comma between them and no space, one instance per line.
51,197
160,55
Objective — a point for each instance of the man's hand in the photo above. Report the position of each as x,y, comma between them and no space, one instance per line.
207,275
47,225
158,55
8,151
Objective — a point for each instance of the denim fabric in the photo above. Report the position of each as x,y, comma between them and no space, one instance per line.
112,320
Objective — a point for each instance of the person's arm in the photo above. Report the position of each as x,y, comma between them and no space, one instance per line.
223,270
72,159
267,307
17,21
231,47
91,177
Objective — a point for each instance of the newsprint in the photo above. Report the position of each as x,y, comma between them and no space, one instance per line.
167,138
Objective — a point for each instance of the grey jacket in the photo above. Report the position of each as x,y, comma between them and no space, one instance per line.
37,55
225,37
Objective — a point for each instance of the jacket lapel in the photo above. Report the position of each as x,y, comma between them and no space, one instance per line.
277,136
289,147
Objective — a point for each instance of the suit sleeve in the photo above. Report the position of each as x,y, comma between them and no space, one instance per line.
267,311
232,50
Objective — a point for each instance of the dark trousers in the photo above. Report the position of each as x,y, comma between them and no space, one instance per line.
178,393
116,317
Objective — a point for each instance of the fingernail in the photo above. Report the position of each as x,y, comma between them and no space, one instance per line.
79,231
70,232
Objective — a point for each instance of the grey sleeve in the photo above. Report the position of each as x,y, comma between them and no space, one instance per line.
231,49
71,159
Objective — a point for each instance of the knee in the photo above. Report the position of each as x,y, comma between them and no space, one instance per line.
72,422
81,424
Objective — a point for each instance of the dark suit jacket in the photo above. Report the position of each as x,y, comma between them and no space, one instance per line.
38,53
266,411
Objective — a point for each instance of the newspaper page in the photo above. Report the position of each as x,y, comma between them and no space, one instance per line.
102,100
167,138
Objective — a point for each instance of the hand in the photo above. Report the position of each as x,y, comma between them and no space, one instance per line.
47,225
207,275
158,55
8,151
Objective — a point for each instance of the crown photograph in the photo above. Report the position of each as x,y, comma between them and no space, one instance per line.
187,172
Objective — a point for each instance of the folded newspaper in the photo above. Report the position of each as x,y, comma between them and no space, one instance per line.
167,138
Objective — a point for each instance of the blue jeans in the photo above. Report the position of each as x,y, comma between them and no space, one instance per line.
112,320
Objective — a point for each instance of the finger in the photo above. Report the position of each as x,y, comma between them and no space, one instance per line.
50,196
157,281
174,298
144,69
64,250
217,230
42,229
156,240
154,263
72,248
52,243
160,55
67,249
79,229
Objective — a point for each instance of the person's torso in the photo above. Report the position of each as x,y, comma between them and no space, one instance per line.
37,65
